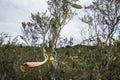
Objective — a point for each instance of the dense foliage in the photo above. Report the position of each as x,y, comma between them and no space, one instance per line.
75,63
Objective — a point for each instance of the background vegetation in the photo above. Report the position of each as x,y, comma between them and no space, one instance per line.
76,63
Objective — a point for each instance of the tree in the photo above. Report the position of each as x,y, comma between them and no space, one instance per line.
61,12
37,29
104,18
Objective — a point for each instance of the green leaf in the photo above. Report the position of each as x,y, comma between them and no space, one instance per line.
53,22
115,40
77,6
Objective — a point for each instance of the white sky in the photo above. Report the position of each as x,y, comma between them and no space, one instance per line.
13,12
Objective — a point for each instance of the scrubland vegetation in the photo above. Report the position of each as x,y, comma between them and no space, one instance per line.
41,35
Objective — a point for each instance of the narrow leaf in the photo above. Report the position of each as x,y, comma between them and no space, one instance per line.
115,40
77,6
52,22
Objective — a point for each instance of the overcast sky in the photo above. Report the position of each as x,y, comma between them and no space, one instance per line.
13,12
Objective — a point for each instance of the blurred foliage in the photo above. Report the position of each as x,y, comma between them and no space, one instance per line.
75,63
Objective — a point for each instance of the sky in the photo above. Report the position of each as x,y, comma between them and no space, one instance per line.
13,12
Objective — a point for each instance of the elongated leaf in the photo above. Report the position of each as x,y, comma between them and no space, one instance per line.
77,6
52,22
115,40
